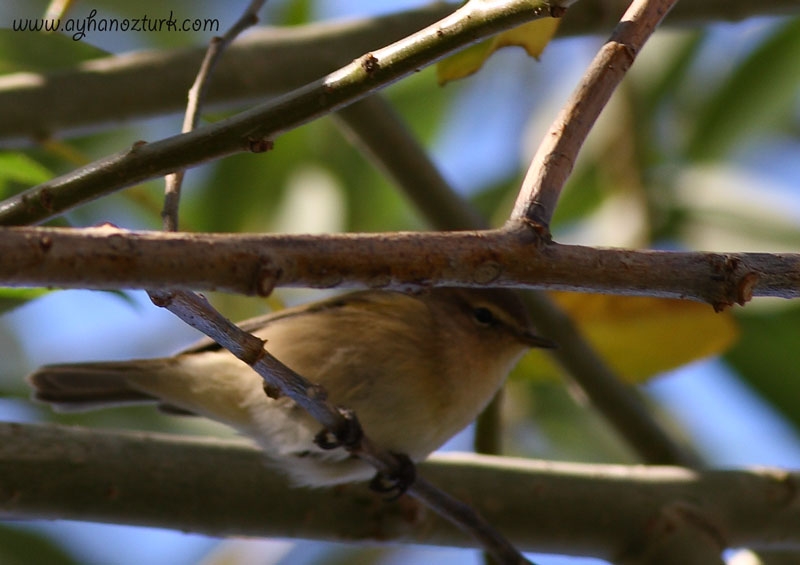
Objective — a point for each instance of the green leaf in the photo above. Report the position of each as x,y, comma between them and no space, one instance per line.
663,87
583,194
37,52
757,95
296,13
767,356
16,167
18,547
11,298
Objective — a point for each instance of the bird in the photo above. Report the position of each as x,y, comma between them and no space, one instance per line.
415,367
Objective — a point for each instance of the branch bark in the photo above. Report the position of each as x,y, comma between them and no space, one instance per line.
267,61
340,423
553,162
109,258
57,472
392,147
254,129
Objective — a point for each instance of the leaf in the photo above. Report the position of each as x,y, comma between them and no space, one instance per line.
759,92
37,52
20,168
641,337
533,37
768,357
18,546
11,298
296,13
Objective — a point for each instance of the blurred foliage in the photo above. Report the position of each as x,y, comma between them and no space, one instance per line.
29,52
21,547
19,170
680,116
758,94
10,298
768,358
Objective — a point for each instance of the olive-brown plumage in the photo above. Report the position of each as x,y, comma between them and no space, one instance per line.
416,368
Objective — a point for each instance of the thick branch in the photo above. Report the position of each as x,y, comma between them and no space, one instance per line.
252,130
265,62
106,258
221,488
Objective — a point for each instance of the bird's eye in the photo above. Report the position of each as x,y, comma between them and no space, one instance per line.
484,316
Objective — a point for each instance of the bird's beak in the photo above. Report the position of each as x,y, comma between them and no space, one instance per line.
532,340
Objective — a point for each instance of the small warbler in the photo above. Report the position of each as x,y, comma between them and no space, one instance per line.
415,367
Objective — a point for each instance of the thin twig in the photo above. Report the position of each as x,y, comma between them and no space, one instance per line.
553,162
196,98
538,197
252,130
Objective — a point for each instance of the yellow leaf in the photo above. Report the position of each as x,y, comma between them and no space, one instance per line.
640,337
533,37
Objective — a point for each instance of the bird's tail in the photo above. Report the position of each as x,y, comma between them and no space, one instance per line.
75,387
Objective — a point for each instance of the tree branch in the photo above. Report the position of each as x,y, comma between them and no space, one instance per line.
107,258
252,130
265,62
196,98
221,488
384,137
198,313
536,202
340,423
553,162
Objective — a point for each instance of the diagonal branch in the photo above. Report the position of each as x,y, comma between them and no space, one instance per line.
553,162
252,130
267,62
386,139
340,423
536,202
197,312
